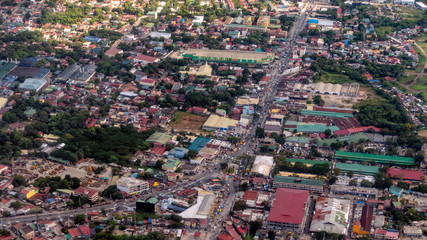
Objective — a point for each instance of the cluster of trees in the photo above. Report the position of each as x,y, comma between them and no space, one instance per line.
19,180
111,144
57,183
72,15
298,167
286,22
104,33
401,218
112,192
149,236
384,113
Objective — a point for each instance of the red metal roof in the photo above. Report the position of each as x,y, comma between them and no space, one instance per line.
406,174
288,206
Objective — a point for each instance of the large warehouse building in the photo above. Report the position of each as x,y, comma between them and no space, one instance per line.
288,210
227,56
383,159
218,123
312,185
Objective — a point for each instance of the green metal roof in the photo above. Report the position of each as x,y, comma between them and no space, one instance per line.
297,139
153,200
374,158
5,68
306,161
307,128
60,160
350,138
301,181
326,114
357,168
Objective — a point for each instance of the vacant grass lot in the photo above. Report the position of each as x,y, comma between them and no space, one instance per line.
334,78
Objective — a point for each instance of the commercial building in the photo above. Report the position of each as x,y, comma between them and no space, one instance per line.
203,207
383,159
145,59
33,84
132,185
312,185
357,191
263,21
241,27
262,165
32,72
288,210
218,123
227,56
77,74
87,192
331,215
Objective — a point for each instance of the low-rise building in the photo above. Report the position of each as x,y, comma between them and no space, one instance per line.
331,215
87,192
132,185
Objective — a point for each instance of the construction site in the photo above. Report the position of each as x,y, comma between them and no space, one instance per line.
91,174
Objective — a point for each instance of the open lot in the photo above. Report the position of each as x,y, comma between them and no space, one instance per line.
335,78
343,101
182,121
423,133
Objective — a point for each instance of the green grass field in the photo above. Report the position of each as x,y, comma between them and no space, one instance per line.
421,60
334,78
420,85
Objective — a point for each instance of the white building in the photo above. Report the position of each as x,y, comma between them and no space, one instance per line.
405,2
421,5
132,185
263,165
331,215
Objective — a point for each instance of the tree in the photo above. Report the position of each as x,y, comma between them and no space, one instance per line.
366,183
271,235
337,171
422,188
224,166
350,174
318,100
260,132
112,192
382,181
328,132
244,187
403,185
332,180
353,182
16,205
79,219
254,226
19,180
191,154
239,205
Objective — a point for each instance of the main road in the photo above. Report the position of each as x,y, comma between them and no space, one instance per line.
242,149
